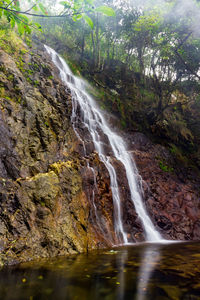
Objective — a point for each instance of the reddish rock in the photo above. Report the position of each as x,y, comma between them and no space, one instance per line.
172,202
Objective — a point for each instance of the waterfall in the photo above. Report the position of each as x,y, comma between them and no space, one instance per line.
95,122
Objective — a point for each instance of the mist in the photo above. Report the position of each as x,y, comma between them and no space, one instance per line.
172,11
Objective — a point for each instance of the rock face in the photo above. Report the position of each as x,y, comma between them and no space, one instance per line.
45,188
171,193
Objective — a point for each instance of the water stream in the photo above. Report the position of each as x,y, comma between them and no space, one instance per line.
94,121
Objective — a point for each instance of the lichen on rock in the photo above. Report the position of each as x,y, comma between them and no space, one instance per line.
44,210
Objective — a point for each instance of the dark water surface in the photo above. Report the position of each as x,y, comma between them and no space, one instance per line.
147,271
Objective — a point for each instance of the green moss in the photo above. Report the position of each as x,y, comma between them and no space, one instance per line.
36,83
28,41
23,51
10,77
36,67
19,100
174,150
29,71
8,98
20,65
2,92
28,79
123,123
179,155
2,68
164,167
10,42
47,124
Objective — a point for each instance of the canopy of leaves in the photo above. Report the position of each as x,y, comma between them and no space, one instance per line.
77,9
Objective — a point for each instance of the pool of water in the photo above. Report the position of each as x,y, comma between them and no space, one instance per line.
142,272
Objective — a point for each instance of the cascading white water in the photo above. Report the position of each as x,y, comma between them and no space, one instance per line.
97,126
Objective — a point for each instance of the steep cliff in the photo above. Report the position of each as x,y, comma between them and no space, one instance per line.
45,185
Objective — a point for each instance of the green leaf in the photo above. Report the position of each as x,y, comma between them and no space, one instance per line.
43,9
35,8
88,20
28,29
66,4
21,28
77,17
89,1
16,5
37,25
108,11
78,1
12,23
24,18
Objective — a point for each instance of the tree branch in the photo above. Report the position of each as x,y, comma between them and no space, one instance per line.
36,15
24,22
9,3
183,41
186,65
30,8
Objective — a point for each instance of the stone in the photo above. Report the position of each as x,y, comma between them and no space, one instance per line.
172,203
44,208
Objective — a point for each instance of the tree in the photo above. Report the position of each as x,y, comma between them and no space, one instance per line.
158,46
76,9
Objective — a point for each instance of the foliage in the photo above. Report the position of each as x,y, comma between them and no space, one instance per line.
11,10
164,167
81,8
9,41
77,9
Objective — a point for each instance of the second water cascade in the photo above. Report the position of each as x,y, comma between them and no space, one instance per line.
98,127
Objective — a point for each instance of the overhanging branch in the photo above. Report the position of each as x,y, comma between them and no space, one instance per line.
37,15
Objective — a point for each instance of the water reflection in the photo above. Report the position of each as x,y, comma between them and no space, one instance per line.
121,280
150,257
148,271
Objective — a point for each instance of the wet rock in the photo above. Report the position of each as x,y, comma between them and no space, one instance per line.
96,184
44,204
171,200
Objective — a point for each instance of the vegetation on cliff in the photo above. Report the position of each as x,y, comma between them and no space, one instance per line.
145,63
